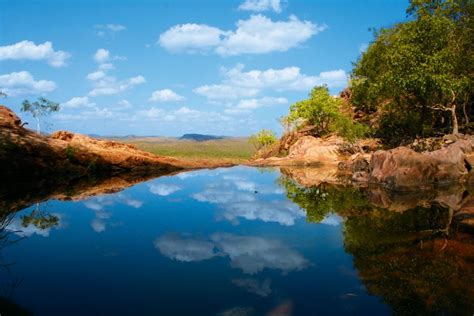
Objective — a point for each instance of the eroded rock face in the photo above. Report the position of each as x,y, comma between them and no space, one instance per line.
8,117
24,152
404,169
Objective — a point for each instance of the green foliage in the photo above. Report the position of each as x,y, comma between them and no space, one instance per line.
39,220
69,151
422,68
263,139
318,202
323,112
39,108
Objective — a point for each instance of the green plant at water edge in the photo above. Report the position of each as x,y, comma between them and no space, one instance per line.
263,139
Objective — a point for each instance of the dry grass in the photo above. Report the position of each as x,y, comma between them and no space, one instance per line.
231,150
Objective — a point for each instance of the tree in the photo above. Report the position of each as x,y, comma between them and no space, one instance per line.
322,112
420,69
263,139
40,108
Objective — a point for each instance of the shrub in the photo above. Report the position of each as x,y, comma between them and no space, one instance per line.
323,112
263,139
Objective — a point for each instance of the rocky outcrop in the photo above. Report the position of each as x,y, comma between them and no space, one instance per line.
403,169
25,153
309,151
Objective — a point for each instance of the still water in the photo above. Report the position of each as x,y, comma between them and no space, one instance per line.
238,241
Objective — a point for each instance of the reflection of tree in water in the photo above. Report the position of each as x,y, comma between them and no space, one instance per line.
418,260
8,238
318,202
40,219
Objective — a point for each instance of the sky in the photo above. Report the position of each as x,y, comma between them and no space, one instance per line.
165,68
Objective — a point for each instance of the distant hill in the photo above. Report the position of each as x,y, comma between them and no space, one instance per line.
200,137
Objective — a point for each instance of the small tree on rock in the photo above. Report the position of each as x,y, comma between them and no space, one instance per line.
38,109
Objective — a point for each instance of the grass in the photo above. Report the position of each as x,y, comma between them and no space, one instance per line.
229,149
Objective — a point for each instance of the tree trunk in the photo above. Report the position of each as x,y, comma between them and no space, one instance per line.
454,119
38,129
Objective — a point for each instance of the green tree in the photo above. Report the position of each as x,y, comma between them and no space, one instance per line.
419,70
323,113
263,139
40,108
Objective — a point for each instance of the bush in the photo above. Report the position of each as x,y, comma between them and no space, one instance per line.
263,139
323,112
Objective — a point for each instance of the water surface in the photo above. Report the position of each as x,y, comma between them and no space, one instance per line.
237,241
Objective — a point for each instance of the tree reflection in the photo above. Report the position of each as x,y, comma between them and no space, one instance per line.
418,260
39,219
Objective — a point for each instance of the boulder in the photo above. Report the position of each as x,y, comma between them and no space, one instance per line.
404,169
8,117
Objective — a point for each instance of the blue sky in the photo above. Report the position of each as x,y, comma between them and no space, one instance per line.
171,67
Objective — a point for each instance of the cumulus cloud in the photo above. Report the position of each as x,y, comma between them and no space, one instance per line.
165,95
78,102
191,38
261,5
248,253
237,200
27,50
178,248
22,83
254,254
283,79
257,35
164,189
101,55
244,85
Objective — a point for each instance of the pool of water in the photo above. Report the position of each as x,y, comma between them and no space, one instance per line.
236,241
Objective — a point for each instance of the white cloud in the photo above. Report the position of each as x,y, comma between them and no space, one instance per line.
78,102
225,91
22,83
261,5
245,85
96,75
284,79
101,55
165,95
30,51
178,248
108,29
164,189
109,85
254,254
182,115
257,35
248,253
247,105
190,38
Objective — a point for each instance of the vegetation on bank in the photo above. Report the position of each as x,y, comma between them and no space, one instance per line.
415,80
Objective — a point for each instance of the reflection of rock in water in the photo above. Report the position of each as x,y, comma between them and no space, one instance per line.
413,249
19,193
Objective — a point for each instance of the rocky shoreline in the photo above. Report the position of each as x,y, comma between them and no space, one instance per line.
24,153
332,159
